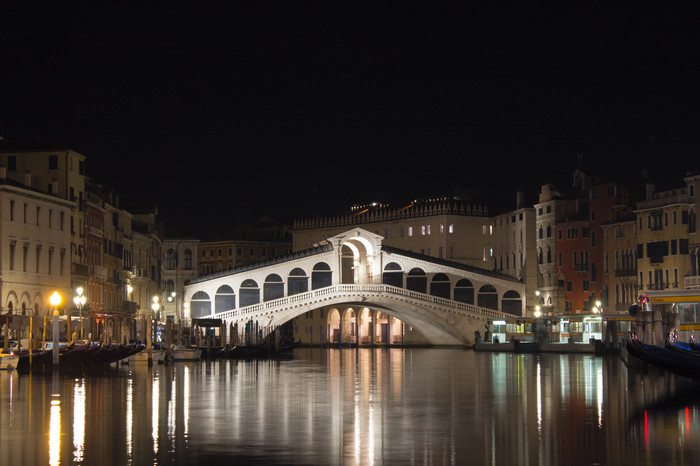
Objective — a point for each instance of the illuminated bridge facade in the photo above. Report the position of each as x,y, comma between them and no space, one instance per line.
352,289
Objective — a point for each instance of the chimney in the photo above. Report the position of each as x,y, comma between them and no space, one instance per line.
519,195
28,179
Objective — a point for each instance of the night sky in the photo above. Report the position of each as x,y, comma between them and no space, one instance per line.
224,112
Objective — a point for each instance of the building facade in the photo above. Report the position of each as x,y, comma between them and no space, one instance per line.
245,244
515,250
180,267
441,228
664,225
35,240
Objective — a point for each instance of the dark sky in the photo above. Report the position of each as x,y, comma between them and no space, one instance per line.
223,112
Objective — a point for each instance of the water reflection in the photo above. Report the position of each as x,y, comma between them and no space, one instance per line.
420,406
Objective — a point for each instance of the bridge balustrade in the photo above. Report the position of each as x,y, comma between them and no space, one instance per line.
280,304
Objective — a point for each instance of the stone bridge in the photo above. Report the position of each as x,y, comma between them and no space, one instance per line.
352,288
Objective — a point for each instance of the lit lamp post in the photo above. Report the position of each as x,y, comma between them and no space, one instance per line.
155,306
55,300
79,301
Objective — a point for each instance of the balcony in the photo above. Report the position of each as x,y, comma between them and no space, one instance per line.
692,282
98,271
629,272
581,267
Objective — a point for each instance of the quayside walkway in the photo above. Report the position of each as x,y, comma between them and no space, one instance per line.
359,285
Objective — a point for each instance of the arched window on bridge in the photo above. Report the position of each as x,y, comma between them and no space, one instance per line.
200,305
250,293
512,303
488,297
298,282
393,275
321,276
440,286
225,299
464,291
273,287
417,281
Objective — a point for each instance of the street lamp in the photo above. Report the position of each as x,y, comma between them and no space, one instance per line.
79,301
537,311
155,306
55,300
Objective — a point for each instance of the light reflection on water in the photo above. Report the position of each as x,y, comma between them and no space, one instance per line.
364,407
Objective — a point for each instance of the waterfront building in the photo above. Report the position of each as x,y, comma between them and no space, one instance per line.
692,279
35,244
664,223
442,228
553,204
620,263
58,171
148,264
515,249
180,267
244,244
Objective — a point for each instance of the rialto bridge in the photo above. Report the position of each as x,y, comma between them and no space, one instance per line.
352,289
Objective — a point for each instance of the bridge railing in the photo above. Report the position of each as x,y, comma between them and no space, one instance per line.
347,289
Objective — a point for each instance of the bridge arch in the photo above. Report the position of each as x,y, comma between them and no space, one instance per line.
437,298
250,293
224,299
488,297
464,291
200,305
321,276
273,288
440,286
511,302
417,280
393,275
298,281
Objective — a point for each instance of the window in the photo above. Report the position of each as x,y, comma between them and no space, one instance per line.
53,162
410,231
451,228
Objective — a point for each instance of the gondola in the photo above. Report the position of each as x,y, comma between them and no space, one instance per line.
678,362
289,345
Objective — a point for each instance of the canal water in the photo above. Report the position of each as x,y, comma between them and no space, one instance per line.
355,407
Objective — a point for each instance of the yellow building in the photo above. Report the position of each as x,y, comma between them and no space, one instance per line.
264,239
60,172
620,264
663,238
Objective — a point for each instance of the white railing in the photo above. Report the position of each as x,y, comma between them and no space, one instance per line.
313,296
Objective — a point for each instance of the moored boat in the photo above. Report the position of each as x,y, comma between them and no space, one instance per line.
679,362
8,361
181,353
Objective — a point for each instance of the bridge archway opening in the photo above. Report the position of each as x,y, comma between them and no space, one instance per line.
200,305
488,297
356,259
